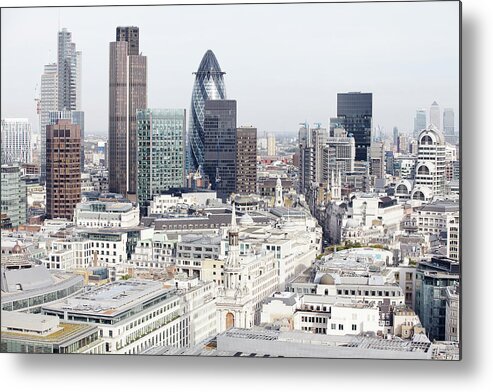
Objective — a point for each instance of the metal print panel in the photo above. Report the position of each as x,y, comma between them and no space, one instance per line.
312,211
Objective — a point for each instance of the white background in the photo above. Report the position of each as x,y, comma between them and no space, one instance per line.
473,373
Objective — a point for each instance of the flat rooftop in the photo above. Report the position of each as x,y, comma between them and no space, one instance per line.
40,328
112,298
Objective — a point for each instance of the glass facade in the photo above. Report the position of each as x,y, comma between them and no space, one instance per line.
32,302
209,85
355,111
160,152
13,195
220,146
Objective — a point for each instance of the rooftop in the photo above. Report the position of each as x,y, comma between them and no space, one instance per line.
112,298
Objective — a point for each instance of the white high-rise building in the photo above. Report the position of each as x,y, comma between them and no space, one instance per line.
48,103
430,167
435,115
16,141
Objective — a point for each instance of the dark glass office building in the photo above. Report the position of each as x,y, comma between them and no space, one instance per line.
219,151
209,85
355,111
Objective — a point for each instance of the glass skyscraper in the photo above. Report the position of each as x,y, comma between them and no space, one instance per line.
209,85
220,146
355,110
419,122
160,152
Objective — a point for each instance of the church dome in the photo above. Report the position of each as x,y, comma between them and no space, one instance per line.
246,220
327,279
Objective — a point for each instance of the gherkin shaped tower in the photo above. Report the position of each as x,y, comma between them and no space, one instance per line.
209,85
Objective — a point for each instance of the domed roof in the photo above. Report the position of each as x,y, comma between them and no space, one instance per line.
327,279
351,223
246,220
209,63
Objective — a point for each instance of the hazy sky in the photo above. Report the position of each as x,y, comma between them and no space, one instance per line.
284,64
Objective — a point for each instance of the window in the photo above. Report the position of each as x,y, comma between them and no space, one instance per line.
333,326
341,327
353,327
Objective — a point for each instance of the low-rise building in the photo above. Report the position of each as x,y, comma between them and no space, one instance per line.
131,315
36,333
26,287
106,214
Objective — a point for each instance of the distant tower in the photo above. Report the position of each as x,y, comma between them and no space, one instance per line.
279,202
209,85
355,110
127,94
271,144
69,72
419,122
448,126
435,115
48,103
395,133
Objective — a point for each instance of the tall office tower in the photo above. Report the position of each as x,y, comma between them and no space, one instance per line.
13,195
395,134
16,141
338,156
449,126
377,160
355,110
220,146
48,103
430,166
69,72
319,140
435,115
271,144
306,164
63,179
75,117
246,160
160,152
419,122
128,93
208,85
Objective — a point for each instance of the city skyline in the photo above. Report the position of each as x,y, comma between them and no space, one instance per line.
174,57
